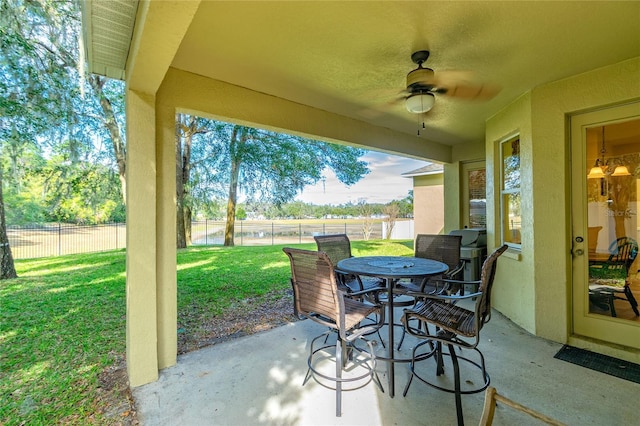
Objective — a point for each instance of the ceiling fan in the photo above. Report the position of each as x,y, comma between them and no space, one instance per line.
423,84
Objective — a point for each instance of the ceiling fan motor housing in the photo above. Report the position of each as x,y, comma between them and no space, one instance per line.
420,78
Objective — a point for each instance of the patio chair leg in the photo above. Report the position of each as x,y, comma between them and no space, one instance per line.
611,305
632,300
380,339
413,363
411,367
402,338
458,390
439,360
374,363
339,361
307,377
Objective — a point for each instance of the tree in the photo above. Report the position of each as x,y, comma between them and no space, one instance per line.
275,167
186,129
109,93
7,267
197,155
40,85
44,96
391,212
34,99
241,213
406,205
223,160
80,191
367,225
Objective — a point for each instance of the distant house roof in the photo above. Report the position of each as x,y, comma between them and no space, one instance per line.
429,169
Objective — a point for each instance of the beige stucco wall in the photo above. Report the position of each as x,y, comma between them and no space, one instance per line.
534,291
552,103
428,204
141,330
513,297
151,247
166,267
191,93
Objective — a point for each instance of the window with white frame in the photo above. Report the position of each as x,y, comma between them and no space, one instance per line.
510,192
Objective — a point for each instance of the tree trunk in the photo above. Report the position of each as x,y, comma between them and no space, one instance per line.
7,268
391,210
181,238
229,230
187,224
235,147
119,147
186,128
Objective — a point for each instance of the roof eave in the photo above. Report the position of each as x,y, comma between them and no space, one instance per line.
109,56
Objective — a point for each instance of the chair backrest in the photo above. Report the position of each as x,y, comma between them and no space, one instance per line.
443,248
486,284
314,285
627,249
336,246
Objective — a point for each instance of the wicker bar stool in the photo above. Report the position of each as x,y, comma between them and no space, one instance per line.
454,326
317,297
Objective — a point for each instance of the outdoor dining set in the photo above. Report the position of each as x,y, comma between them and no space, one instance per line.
355,299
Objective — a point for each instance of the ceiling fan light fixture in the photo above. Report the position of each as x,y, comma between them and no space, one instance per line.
420,102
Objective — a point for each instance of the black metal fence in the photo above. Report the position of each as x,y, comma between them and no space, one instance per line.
270,233
58,239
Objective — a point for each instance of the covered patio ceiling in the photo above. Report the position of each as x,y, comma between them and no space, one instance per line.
352,58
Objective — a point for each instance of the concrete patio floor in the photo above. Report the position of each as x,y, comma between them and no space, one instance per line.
257,380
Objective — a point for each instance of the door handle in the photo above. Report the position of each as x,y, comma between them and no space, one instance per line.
579,252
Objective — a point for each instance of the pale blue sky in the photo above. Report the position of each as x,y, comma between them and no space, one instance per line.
383,184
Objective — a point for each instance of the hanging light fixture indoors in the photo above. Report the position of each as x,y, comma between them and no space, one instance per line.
621,171
597,171
601,166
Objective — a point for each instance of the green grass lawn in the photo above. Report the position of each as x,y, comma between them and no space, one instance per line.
62,322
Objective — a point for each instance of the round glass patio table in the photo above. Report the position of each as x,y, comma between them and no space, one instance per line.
391,269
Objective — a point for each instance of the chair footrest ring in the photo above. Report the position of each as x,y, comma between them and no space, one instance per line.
368,364
474,364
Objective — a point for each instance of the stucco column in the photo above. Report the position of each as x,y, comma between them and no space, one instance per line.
142,348
166,234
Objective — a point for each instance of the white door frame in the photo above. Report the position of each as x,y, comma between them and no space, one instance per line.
590,325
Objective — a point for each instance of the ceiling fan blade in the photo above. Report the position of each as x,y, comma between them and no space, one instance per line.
383,107
469,90
455,84
463,85
481,92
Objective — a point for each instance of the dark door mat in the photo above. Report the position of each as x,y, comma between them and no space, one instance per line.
602,363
